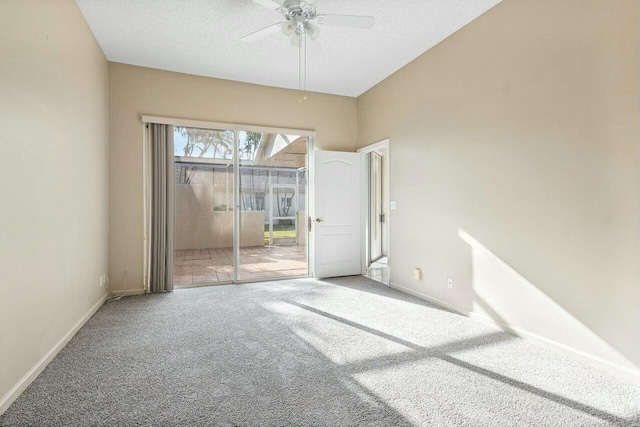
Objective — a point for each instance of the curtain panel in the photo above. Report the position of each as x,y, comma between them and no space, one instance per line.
160,205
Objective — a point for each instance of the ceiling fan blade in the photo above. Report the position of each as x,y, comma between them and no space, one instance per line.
260,34
351,21
268,3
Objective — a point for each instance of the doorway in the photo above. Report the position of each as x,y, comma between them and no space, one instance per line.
240,197
376,206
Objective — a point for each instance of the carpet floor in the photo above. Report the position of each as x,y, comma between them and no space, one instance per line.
341,352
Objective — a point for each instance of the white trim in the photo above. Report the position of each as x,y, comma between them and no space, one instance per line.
236,206
230,126
146,202
365,196
310,196
624,372
374,147
365,217
235,162
31,375
204,161
436,301
128,292
311,207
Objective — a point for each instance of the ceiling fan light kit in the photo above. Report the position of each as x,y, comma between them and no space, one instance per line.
302,21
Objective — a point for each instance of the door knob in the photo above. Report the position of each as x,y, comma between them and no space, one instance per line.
319,219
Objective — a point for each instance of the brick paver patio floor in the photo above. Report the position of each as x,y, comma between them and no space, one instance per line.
203,266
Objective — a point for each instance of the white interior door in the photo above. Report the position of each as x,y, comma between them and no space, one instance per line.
336,225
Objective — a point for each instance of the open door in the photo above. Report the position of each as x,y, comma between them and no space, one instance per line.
336,225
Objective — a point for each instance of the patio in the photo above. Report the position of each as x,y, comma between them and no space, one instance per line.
205,266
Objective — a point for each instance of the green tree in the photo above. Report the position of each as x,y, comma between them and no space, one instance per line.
248,152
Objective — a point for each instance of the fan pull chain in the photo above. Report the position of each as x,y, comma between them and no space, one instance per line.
299,69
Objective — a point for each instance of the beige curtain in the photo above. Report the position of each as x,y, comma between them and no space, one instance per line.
161,208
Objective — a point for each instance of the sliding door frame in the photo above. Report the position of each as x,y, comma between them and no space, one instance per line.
308,193
236,128
236,208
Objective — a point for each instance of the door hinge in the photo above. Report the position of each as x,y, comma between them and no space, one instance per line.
382,218
309,224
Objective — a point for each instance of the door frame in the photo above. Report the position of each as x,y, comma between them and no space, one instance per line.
236,127
236,201
376,198
365,200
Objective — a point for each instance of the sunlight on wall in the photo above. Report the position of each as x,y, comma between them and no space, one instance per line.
506,297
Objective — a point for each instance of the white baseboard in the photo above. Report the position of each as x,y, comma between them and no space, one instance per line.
624,372
28,378
128,292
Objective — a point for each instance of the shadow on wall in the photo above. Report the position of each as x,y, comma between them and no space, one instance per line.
509,299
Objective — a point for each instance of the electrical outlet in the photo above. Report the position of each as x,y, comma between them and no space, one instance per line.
417,274
450,282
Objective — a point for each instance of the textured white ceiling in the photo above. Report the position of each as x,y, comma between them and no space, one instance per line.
202,37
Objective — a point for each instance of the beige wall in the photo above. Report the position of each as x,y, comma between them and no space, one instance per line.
514,161
135,91
515,165
198,226
54,160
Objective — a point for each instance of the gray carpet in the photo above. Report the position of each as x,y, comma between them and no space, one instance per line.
343,352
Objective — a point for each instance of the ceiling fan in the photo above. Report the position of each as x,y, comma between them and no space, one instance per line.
302,19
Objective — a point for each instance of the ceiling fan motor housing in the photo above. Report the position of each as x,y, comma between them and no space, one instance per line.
299,11
299,16
302,20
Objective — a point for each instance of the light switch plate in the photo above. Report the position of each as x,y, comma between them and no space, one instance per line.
392,205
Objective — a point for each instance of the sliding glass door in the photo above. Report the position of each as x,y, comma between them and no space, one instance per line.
204,195
273,191
244,224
